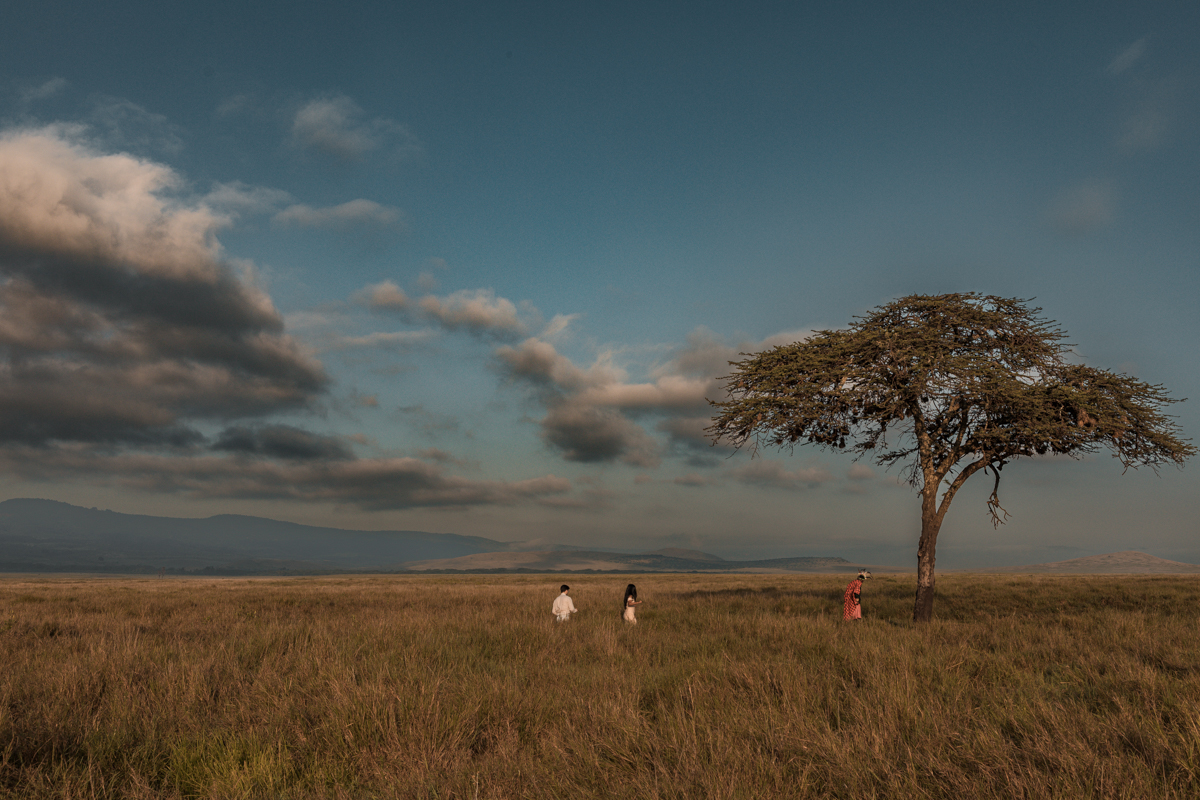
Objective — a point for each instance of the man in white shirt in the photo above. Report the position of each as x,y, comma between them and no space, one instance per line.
563,606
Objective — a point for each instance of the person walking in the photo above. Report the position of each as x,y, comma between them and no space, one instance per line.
851,601
628,604
563,606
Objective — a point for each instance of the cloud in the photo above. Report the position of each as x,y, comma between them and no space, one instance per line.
281,441
42,90
860,472
427,281
537,362
694,480
384,340
119,124
773,475
591,435
337,127
345,217
371,484
125,334
1083,209
119,320
1149,107
591,412
236,198
234,104
478,312
431,423
1128,57
436,454
557,325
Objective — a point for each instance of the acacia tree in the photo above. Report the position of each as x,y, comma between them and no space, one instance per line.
944,386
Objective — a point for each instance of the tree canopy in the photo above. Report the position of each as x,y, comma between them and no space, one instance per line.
944,386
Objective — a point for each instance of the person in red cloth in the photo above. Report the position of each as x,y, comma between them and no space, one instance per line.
851,606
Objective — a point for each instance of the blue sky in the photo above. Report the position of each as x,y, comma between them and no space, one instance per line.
474,268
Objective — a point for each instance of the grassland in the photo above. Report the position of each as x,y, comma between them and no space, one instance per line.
730,687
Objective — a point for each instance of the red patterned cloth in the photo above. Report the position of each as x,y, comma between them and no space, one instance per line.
850,607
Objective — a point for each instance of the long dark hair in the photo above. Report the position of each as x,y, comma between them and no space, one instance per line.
630,591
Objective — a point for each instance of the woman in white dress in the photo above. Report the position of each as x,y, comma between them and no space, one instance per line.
627,606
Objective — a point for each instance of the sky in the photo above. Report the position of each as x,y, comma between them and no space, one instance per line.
476,268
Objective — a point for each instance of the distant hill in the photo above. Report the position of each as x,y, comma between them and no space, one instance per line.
679,552
49,536
658,561
1128,562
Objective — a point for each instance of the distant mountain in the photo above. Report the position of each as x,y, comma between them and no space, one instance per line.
594,560
49,536
1128,562
679,552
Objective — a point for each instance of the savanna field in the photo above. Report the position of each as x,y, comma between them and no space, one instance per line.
730,686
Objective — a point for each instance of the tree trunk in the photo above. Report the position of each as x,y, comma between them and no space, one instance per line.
923,608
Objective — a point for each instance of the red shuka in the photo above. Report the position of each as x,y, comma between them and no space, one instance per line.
850,607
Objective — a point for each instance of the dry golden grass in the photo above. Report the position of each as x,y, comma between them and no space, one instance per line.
730,687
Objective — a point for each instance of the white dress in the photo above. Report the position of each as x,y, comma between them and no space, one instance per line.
628,615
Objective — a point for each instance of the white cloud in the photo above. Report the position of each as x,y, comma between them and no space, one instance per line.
344,217
58,195
558,325
337,126
476,311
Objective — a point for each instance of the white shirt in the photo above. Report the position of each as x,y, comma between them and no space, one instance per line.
563,606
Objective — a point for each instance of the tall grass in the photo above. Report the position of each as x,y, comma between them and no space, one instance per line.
734,686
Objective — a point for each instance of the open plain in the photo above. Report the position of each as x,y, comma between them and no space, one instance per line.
730,686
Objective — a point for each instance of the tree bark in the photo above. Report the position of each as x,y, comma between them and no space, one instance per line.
930,524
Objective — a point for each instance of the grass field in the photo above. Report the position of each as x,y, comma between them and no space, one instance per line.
732,686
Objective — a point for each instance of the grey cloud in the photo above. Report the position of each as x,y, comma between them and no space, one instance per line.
337,127
592,435
371,484
119,322
283,442
589,410
355,214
